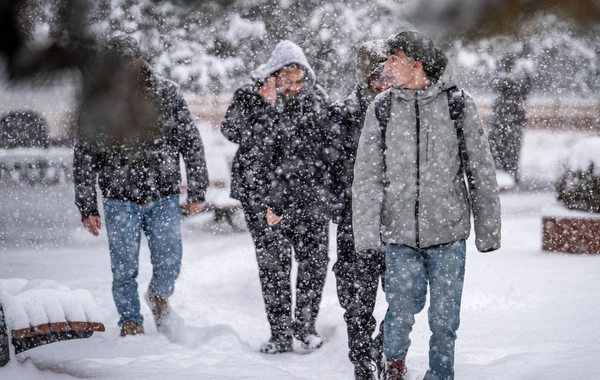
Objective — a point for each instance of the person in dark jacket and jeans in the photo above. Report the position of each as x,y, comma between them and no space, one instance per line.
279,169
132,129
357,277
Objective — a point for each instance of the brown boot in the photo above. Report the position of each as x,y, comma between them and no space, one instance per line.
160,309
130,328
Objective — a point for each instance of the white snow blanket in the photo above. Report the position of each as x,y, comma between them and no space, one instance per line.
37,302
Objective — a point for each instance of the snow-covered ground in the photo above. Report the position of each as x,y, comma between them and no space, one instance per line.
527,314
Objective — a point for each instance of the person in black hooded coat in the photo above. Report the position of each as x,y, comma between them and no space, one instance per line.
279,167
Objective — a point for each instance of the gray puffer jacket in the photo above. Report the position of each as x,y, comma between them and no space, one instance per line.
424,200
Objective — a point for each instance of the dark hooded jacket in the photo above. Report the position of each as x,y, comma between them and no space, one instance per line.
301,156
144,165
347,118
281,160
249,122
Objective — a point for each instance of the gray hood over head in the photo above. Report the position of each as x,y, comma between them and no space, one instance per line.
285,53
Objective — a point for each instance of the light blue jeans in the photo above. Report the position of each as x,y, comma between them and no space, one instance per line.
160,222
408,271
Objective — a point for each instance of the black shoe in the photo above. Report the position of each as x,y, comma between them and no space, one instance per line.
308,337
376,353
312,342
277,345
365,370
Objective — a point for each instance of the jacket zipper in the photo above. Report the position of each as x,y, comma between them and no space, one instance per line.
418,191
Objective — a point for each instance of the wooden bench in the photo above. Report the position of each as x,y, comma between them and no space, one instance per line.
37,313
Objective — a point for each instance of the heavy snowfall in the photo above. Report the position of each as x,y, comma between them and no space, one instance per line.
527,313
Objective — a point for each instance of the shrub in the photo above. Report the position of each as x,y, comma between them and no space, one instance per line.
578,188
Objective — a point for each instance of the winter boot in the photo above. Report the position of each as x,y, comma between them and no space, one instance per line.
394,369
160,308
167,321
376,353
312,342
130,328
309,338
365,370
277,345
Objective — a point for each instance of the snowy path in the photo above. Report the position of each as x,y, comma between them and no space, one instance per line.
527,314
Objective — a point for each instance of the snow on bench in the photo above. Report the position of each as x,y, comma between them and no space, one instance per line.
39,312
219,154
36,165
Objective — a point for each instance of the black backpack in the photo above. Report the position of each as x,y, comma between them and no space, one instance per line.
456,106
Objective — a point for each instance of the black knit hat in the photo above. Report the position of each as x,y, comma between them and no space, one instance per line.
126,47
369,60
419,47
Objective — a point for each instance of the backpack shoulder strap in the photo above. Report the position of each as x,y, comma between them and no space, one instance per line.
456,106
383,106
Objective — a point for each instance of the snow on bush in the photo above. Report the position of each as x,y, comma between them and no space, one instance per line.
578,187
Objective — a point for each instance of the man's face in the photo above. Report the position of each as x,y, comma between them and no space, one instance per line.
289,82
400,69
379,82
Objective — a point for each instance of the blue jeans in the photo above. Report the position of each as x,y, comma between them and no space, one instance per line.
408,271
125,222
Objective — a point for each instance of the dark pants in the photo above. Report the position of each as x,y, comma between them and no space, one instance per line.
357,281
308,236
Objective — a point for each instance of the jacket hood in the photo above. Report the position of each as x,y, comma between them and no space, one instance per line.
285,53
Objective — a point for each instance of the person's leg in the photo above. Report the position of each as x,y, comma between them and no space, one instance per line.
344,266
516,141
346,285
123,227
405,291
446,265
274,257
310,236
357,281
163,230
378,267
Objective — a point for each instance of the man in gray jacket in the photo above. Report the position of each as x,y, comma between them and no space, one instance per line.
409,186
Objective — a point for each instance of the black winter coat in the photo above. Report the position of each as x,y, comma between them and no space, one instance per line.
347,120
282,156
250,122
148,169
302,156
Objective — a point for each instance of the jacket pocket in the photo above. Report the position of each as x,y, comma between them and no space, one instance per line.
393,203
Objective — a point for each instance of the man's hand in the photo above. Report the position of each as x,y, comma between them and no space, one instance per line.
93,224
268,91
272,219
194,207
